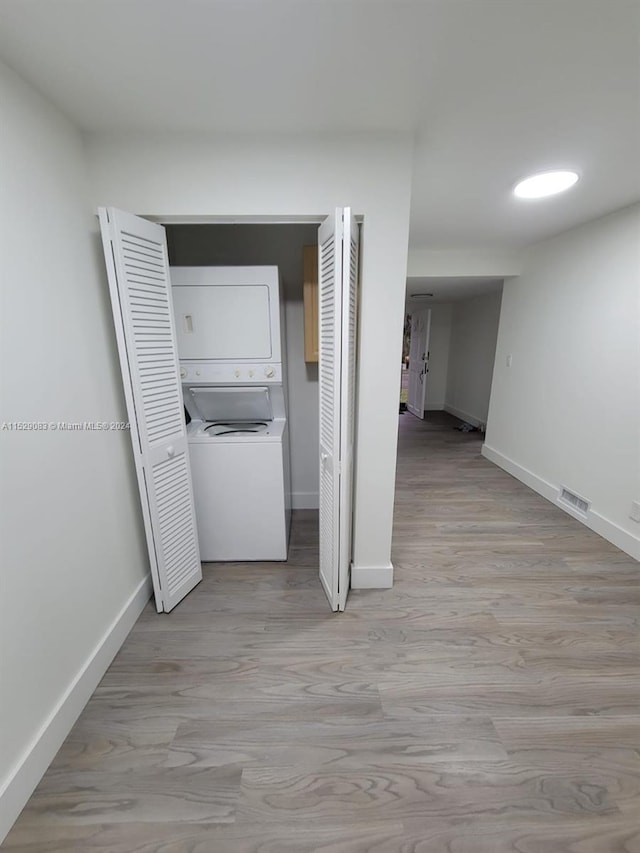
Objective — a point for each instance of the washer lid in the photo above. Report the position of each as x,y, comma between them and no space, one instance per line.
228,404
249,428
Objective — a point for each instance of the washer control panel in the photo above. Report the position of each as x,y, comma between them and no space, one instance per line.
230,374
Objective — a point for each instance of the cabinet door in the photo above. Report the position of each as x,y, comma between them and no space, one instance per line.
310,272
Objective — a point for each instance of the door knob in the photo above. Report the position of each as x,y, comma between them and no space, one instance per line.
171,451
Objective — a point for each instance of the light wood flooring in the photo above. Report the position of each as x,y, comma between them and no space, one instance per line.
488,703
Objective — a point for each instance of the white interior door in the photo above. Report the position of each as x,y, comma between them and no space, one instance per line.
418,361
337,292
138,272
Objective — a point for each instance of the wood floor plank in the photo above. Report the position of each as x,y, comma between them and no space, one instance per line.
558,695
388,791
595,834
157,795
602,743
312,837
337,743
120,745
165,711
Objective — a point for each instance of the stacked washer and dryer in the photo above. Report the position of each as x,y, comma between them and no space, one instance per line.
230,328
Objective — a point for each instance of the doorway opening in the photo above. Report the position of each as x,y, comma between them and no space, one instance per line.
451,339
440,441
232,350
285,246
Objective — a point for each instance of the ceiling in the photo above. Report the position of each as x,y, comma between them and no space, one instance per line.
490,89
449,289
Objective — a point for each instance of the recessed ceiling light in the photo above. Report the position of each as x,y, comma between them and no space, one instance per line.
544,184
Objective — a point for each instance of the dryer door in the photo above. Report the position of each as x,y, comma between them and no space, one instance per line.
224,322
227,314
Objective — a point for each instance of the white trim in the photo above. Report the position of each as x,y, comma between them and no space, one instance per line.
613,533
25,775
275,219
372,577
464,416
609,530
434,407
305,500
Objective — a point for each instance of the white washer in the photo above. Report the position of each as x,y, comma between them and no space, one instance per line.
238,447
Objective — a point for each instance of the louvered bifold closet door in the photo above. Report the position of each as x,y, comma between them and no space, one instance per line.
329,366
138,272
350,240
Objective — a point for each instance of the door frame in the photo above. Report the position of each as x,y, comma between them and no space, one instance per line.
298,219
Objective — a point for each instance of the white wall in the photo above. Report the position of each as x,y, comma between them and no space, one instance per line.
567,412
73,556
472,349
171,176
461,263
438,357
280,245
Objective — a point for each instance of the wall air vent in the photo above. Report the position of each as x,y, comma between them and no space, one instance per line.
574,502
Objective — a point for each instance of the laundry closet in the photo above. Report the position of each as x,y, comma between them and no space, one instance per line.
233,421
281,246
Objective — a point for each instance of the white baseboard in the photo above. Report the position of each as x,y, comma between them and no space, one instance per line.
463,416
372,577
609,530
613,533
28,771
434,407
305,500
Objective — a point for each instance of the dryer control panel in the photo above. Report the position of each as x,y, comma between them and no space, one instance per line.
216,373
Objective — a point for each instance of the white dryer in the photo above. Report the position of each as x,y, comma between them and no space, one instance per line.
228,314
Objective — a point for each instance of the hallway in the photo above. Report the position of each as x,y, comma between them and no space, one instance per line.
489,703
